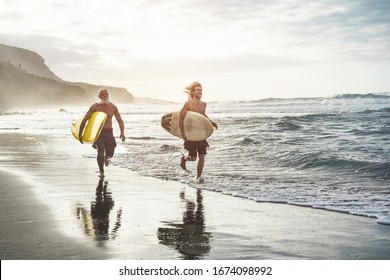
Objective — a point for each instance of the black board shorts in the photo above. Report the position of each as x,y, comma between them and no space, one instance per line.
106,137
196,147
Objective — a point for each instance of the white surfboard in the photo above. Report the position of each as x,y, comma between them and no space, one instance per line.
197,127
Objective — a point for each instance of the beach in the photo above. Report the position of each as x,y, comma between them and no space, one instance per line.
54,206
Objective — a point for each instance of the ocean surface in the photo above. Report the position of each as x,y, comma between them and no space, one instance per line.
327,153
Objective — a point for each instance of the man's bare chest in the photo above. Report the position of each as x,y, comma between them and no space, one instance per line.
197,107
106,108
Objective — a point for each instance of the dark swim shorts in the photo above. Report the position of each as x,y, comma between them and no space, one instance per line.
106,137
196,147
106,142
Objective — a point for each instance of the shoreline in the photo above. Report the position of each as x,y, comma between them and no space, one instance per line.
28,229
51,215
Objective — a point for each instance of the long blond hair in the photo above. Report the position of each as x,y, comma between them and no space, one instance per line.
190,89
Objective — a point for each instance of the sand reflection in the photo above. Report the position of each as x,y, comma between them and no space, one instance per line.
96,220
188,237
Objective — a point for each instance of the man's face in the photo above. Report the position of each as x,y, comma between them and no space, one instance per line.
198,92
103,95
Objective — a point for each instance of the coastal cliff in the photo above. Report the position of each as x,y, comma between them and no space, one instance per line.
27,82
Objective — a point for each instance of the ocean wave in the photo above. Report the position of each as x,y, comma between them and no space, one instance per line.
361,96
373,111
168,148
143,138
284,101
319,161
297,122
380,170
246,141
9,128
288,123
383,131
12,113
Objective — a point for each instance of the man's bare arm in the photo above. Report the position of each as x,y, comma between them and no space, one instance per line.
121,125
182,115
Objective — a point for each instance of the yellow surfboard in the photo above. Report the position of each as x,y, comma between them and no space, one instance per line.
92,128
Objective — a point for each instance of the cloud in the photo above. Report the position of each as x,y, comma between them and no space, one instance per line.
350,29
306,30
240,63
130,41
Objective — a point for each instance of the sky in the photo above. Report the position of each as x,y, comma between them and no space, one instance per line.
237,49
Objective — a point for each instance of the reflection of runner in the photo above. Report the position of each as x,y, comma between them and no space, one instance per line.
97,222
189,237
100,211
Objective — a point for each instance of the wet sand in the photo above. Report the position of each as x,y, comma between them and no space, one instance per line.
53,206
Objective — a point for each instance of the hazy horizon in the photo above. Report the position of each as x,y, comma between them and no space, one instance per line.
238,50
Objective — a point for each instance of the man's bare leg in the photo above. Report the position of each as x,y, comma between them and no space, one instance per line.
200,166
184,160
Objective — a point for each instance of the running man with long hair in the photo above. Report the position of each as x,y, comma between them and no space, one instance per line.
195,148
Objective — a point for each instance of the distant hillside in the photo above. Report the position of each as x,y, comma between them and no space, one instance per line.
27,82
20,90
30,61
